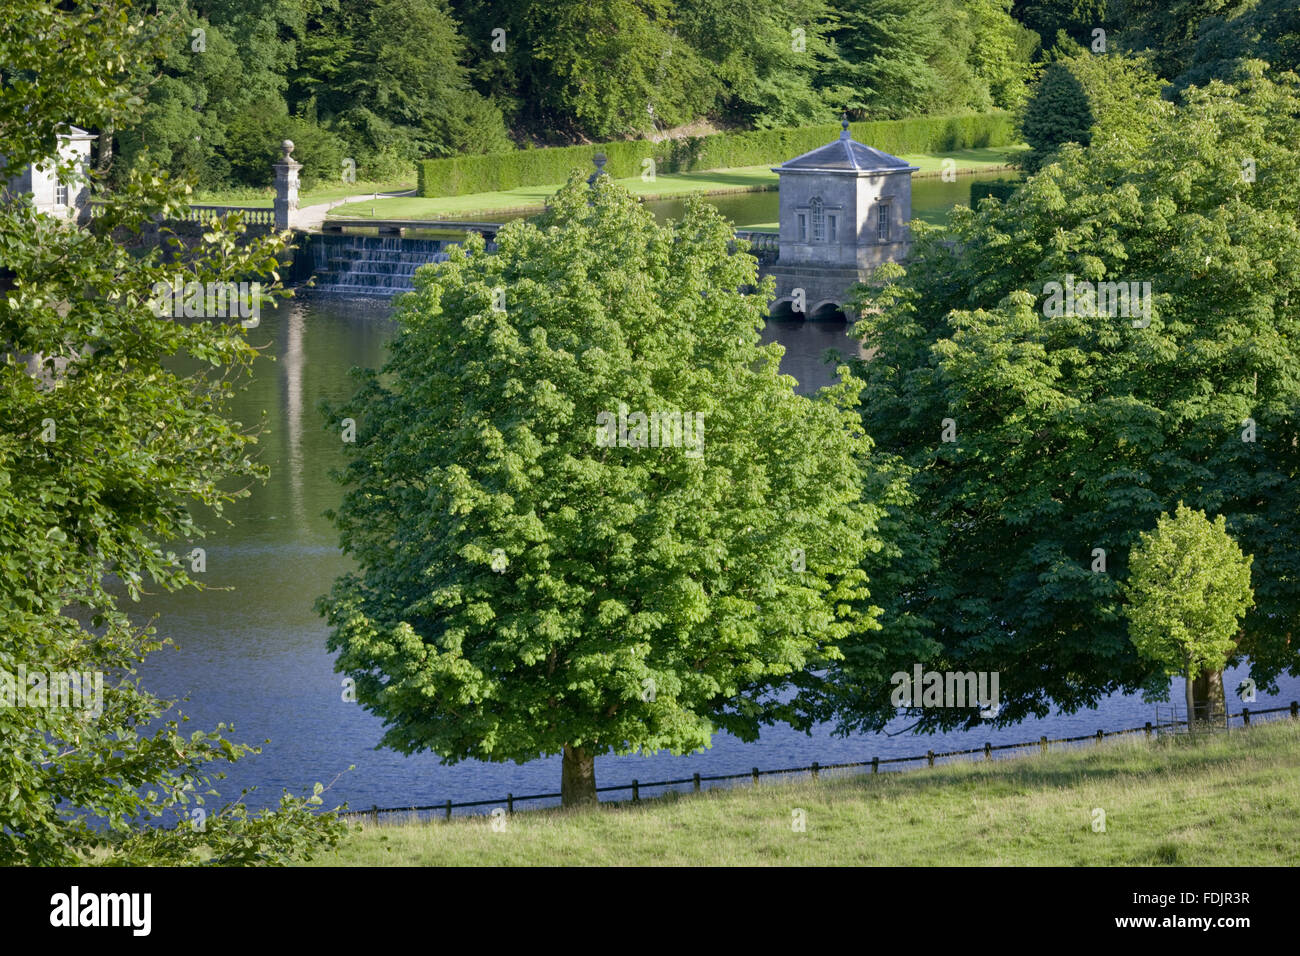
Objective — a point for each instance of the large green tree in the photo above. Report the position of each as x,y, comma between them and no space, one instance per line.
765,58
576,68
1080,89
888,57
109,458
404,90
532,584
1072,428
1057,113
1188,587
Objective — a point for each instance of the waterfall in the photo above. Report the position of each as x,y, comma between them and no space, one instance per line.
378,266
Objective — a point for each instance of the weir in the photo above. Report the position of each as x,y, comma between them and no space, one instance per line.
373,266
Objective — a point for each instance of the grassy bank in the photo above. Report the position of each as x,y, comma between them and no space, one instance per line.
1222,799
664,186
321,193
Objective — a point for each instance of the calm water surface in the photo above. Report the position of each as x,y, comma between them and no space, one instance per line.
251,651
931,200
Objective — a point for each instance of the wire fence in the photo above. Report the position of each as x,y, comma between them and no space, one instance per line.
815,768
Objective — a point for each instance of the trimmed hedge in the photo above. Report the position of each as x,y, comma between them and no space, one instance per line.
493,172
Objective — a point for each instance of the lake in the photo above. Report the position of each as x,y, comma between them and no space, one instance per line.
251,651
931,200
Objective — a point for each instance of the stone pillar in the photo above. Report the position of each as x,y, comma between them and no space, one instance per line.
286,187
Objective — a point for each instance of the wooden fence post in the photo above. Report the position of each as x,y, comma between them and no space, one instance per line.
988,750
1148,728
755,775
697,783
448,809
510,803
1245,716
929,755
875,765
1100,735
815,768
636,791
1042,743
1295,710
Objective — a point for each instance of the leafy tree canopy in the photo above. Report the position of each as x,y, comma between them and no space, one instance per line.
108,458
1188,587
1075,427
526,587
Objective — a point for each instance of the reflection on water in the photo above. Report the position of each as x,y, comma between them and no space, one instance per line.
808,345
931,200
252,649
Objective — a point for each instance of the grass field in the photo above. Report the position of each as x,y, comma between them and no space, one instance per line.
664,186
264,198
1221,799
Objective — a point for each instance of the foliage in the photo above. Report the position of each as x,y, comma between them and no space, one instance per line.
764,77
1001,53
1001,190
401,97
885,53
472,77
1075,431
1188,587
1269,31
1078,90
895,58
1058,113
108,456
1077,18
522,588
1168,29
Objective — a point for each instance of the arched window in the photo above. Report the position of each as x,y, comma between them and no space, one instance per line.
818,219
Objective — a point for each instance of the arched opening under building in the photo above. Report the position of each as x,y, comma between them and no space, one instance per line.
827,311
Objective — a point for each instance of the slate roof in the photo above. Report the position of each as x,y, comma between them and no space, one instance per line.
845,154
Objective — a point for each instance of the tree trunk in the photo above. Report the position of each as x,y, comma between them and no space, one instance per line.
1191,698
104,161
578,777
1207,690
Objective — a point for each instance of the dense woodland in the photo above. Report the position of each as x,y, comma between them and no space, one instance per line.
390,82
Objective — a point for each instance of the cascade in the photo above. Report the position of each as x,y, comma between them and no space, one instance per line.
382,266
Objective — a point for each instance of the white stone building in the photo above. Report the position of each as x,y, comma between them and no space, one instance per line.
844,209
68,200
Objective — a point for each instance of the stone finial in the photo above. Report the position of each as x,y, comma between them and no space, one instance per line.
844,126
286,187
599,160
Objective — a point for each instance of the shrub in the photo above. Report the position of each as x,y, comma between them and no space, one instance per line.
999,190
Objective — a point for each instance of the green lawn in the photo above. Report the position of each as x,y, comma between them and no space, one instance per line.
664,186
1221,799
264,198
